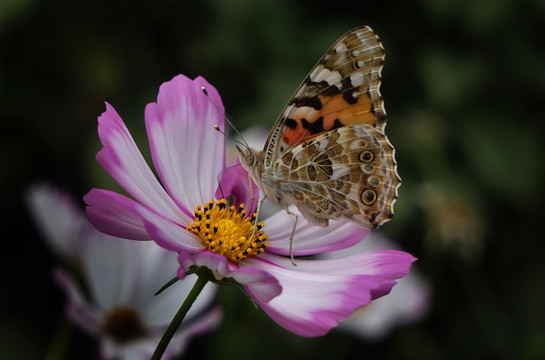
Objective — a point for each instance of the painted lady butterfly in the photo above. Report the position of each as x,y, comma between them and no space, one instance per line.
327,153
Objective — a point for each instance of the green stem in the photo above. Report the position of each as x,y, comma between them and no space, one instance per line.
177,320
59,344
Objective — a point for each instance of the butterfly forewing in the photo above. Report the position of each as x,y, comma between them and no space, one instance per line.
342,89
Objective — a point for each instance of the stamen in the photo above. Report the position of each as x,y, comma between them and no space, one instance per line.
227,231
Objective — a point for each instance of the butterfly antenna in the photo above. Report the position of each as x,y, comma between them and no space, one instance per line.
217,128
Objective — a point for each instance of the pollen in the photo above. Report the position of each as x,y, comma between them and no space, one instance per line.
227,231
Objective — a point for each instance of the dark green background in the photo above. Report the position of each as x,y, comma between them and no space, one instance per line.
464,85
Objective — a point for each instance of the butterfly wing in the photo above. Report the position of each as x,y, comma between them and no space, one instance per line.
342,89
348,172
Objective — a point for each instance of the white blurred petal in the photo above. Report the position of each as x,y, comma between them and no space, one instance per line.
58,218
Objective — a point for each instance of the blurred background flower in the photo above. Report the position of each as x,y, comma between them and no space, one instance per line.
463,82
116,301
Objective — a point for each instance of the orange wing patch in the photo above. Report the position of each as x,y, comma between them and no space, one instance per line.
306,123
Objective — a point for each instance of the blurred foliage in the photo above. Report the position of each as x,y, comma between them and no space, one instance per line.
464,83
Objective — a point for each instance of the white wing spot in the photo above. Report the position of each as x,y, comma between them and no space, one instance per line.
355,145
356,79
321,145
340,171
341,48
321,73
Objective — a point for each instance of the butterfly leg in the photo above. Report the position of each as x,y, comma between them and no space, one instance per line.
252,195
292,232
259,201
261,198
258,210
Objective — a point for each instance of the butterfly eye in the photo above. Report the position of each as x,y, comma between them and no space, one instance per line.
249,158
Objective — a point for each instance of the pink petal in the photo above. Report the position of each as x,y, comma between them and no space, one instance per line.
317,294
121,158
187,152
259,283
261,286
235,182
215,262
168,234
408,301
309,239
115,214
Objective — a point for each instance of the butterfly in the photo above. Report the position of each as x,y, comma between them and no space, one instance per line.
327,153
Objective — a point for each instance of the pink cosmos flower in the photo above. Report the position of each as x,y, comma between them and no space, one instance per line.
189,155
121,278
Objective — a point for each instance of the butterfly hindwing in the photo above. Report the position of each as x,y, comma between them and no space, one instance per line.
348,172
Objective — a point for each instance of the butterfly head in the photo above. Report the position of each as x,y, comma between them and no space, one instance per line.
248,157
251,161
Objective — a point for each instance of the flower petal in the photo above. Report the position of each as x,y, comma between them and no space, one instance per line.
316,294
162,308
115,214
77,309
168,234
121,158
145,347
191,328
408,301
215,262
309,239
58,218
258,283
234,182
187,152
120,271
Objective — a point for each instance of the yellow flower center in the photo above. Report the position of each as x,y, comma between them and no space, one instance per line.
228,231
